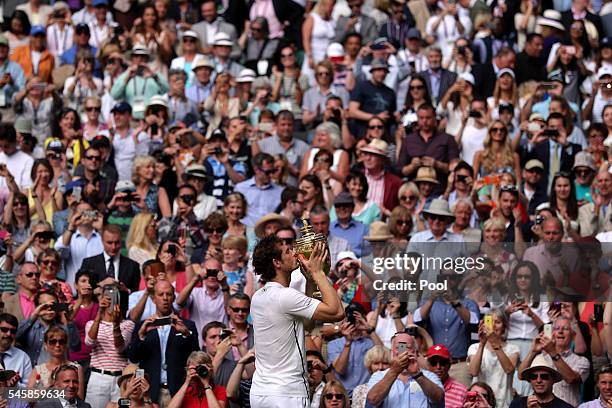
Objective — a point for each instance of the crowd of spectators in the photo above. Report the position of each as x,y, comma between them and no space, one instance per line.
147,147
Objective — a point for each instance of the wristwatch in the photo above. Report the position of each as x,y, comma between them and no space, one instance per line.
417,375
456,304
556,357
207,387
337,328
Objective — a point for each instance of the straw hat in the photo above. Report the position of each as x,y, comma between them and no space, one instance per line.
379,231
376,146
541,363
439,206
427,174
551,18
260,225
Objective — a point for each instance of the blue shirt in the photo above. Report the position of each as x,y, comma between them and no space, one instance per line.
409,394
198,93
18,77
356,371
164,333
18,361
69,58
354,234
261,200
446,327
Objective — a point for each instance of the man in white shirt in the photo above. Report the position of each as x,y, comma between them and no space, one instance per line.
18,163
278,313
87,14
100,27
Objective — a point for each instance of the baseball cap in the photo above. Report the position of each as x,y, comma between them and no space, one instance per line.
125,186
438,350
100,141
55,145
217,134
82,28
505,71
603,71
335,52
37,30
534,164
98,3
122,107
413,33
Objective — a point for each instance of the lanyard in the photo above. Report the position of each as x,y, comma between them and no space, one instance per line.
144,85
59,40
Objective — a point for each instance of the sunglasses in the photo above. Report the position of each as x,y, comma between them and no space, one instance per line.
240,309
436,217
330,396
189,40
286,55
267,172
32,274
376,127
403,222
416,87
20,204
288,241
8,330
215,230
93,109
498,130
323,73
526,277
56,342
408,198
438,362
543,376
49,262
583,172
186,198
93,158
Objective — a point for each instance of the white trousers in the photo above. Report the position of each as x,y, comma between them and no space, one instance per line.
273,401
101,390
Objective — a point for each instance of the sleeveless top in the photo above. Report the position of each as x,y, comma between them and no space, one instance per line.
323,33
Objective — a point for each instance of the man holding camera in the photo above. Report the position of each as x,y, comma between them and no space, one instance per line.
162,344
108,335
394,387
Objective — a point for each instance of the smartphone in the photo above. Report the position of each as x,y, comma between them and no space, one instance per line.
154,128
519,299
547,86
211,273
76,192
6,375
91,214
471,396
156,268
598,311
139,373
225,333
401,347
48,235
172,250
551,133
534,127
556,306
474,114
124,402
539,219
185,234
60,307
548,330
488,322
266,127
162,321
462,178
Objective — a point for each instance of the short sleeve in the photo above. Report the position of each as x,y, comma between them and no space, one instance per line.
472,349
297,304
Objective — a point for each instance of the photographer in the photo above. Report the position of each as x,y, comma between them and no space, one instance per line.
199,385
108,334
134,389
48,312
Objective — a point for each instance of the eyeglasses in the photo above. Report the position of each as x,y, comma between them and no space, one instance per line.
287,55
187,198
498,130
20,203
323,73
112,61
240,309
376,127
8,330
557,328
93,109
330,396
408,198
215,230
93,158
49,262
543,376
583,172
267,172
526,277
416,87
403,222
56,342
32,274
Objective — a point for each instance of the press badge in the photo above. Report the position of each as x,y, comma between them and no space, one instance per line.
138,106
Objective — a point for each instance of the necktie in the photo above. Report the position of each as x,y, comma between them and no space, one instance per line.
111,268
2,355
555,163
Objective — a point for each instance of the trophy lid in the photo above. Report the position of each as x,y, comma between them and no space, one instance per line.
308,233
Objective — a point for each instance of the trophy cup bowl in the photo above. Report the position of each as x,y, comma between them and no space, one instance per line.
305,245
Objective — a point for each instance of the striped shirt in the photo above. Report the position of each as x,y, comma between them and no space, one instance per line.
104,355
454,393
376,188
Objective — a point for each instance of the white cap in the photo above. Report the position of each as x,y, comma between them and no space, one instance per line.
246,75
467,77
335,50
346,255
603,71
222,38
158,100
190,33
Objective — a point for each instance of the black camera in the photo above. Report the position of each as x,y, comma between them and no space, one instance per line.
461,50
202,371
461,177
218,151
171,250
539,219
475,114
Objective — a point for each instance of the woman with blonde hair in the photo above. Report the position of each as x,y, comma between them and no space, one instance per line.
401,225
220,104
149,196
234,257
334,395
505,92
497,155
93,126
281,169
142,238
410,198
194,388
318,31
378,358
234,210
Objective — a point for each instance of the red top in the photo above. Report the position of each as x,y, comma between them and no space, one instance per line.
193,399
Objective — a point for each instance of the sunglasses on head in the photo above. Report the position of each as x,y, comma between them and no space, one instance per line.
240,309
565,174
8,330
330,396
56,342
543,376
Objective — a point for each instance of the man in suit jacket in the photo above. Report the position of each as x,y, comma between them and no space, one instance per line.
66,379
486,74
437,78
377,152
111,264
21,304
356,22
579,11
162,351
213,24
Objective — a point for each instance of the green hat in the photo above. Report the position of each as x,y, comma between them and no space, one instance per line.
22,125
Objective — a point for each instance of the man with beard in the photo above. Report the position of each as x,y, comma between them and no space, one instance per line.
12,358
556,353
65,378
542,376
439,359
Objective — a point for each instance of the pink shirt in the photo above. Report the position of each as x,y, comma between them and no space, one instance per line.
376,188
27,305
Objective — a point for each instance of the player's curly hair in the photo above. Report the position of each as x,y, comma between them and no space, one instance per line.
268,249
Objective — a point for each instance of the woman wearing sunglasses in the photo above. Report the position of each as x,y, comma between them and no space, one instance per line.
49,264
153,198
82,84
93,126
36,243
16,212
492,360
56,345
334,395
497,153
409,198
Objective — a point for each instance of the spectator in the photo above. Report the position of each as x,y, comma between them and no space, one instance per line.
212,23
65,378
177,340
12,81
141,304
378,358
21,304
543,376
528,64
201,86
439,359
23,55
13,358
319,218
603,381
84,310
598,219
135,389
142,238
389,386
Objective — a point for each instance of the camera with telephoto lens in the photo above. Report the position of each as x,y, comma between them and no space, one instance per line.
202,371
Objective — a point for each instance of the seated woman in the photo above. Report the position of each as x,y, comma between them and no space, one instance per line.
366,211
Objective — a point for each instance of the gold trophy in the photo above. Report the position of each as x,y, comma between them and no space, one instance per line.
305,245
